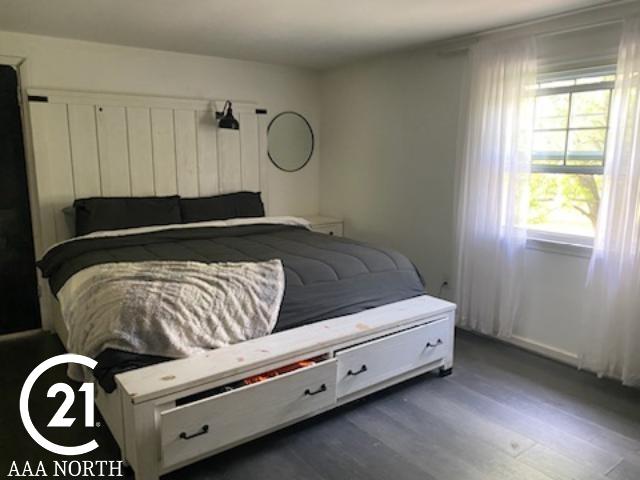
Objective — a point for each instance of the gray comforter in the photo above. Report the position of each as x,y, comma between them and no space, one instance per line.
325,276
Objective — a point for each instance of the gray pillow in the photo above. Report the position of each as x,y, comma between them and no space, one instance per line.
222,207
114,213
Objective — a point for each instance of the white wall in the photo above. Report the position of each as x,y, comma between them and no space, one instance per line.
554,305
389,150
390,131
76,65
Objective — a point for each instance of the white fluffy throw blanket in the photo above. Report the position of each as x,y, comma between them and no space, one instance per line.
171,309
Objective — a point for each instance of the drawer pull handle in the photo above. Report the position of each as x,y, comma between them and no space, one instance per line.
323,388
363,369
433,345
202,431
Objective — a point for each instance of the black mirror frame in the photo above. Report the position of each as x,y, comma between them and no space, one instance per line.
313,141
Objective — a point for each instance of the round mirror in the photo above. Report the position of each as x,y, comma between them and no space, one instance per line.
290,140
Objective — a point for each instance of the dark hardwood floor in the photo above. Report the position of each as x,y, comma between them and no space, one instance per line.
503,414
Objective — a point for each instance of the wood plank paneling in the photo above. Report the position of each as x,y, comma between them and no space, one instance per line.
117,146
54,176
114,151
207,141
249,151
186,152
164,152
84,151
263,161
140,151
229,161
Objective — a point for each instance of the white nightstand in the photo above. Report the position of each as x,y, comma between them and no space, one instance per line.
328,225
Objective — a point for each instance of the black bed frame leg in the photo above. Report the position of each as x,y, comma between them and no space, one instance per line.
445,372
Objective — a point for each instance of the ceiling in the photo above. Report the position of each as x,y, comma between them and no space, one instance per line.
309,33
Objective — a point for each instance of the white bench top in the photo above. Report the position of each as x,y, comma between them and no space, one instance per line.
156,381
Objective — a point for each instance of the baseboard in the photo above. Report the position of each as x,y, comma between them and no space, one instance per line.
543,349
16,335
532,346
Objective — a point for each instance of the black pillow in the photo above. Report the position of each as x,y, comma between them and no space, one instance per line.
222,207
113,213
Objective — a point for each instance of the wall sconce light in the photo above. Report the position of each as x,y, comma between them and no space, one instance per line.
226,119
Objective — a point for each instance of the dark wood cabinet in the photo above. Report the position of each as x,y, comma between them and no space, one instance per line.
18,283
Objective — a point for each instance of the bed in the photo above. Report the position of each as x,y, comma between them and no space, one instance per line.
353,319
326,276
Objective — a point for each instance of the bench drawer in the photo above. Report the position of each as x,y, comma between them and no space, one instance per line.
373,362
207,425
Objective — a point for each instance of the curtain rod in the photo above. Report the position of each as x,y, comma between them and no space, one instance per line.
578,28
469,40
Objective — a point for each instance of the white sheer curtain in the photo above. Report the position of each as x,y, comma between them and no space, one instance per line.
494,173
611,335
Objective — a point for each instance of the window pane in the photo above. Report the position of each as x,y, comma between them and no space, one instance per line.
564,203
586,147
589,109
548,147
552,111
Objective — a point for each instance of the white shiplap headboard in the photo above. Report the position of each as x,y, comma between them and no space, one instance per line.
93,144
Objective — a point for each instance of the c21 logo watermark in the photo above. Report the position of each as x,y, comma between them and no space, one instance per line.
60,419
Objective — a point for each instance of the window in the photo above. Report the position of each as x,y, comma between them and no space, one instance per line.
569,146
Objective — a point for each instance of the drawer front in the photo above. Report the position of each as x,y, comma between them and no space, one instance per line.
215,422
373,362
329,229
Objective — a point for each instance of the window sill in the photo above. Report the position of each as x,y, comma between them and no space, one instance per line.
559,247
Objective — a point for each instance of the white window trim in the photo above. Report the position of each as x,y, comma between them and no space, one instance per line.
563,243
564,73
560,243
574,169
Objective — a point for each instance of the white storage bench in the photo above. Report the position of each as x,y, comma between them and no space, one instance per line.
172,414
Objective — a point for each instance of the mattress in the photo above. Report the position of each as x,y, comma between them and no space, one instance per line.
326,276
